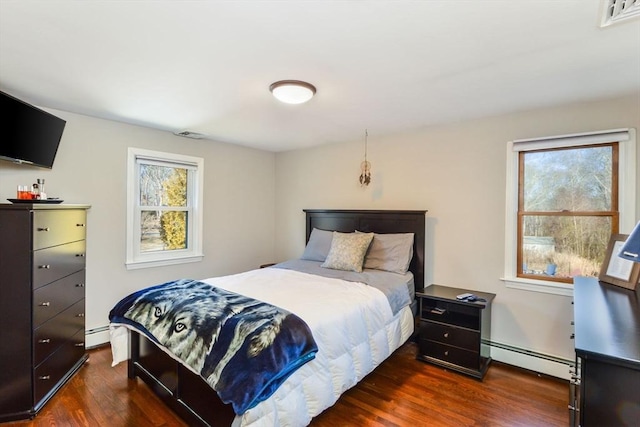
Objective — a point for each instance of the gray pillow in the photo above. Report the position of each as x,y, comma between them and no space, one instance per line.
347,251
318,245
390,252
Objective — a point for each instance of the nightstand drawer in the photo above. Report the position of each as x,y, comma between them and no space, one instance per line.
446,353
450,335
452,313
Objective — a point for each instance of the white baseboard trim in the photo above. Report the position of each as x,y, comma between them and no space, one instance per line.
531,360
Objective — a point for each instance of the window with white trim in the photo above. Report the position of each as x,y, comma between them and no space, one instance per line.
164,203
566,195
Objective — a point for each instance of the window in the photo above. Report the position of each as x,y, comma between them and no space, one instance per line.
164,219
566,195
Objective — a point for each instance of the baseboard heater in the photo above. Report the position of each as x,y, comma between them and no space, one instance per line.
96,337
531,360
505,353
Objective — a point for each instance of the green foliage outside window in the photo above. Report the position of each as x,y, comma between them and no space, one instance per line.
173,230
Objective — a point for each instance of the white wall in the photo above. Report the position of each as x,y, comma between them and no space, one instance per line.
456,172
90,167
254,203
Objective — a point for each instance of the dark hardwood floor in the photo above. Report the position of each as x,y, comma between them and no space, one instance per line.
400,392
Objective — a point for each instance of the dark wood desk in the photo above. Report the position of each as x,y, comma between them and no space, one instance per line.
606,387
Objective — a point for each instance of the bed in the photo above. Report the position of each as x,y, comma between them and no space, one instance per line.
355,320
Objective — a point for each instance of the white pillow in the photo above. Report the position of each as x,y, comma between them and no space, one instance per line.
347,251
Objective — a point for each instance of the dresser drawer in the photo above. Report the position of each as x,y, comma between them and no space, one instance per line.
57,262
446,334
450,354
51,228
54,368
58,331
51,299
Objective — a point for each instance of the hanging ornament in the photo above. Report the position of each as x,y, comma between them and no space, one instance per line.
365,166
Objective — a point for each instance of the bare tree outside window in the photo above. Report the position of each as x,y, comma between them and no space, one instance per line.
567,210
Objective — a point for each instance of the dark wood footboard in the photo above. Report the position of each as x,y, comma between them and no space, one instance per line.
179,388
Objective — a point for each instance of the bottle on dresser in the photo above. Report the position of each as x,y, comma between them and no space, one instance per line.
37,191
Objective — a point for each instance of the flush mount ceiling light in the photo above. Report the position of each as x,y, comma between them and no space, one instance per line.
292,91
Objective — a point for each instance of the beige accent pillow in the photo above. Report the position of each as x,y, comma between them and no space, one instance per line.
347,251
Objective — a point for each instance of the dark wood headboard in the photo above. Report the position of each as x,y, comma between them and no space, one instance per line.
375,221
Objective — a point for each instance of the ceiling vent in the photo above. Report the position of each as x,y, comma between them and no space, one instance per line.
189,134
615,11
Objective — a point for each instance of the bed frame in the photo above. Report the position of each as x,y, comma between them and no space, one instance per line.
187,393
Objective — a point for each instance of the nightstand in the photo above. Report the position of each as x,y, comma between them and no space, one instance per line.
454,334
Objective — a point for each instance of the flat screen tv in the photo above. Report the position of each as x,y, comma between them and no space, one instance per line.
30,135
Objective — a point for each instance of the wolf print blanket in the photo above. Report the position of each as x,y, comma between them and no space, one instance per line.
242,347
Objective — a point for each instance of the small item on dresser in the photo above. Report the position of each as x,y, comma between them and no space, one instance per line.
24,192
35,191
43,195
463,296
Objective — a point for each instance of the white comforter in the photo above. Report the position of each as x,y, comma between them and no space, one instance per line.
352,324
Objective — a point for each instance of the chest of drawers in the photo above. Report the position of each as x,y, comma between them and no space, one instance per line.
42,300
453,334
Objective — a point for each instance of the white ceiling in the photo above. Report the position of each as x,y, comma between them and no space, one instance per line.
385,66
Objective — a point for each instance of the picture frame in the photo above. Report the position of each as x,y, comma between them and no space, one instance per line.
619,271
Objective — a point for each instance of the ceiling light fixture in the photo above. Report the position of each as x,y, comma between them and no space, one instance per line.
292,91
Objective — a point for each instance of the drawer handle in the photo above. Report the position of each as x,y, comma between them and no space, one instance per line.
79,285
446,334
44,341
45,304
43,228
438,310
80,255
79,225
79,344
44,377
45,266
80,315
446,353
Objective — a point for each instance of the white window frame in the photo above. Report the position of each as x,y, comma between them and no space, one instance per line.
626,196
136,259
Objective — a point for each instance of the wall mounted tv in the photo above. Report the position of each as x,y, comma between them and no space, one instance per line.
31,135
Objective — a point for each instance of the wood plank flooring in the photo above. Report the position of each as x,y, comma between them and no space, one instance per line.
400,392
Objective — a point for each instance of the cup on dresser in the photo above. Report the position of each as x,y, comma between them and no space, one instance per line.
24,192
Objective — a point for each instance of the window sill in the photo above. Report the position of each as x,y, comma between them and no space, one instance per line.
541,286
134,265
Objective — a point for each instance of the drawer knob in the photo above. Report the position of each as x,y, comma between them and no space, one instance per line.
44,341
79,225
45,304
446,353
80,255
80,315
79,285
43,228
44,377
79,344
446,334
45,266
